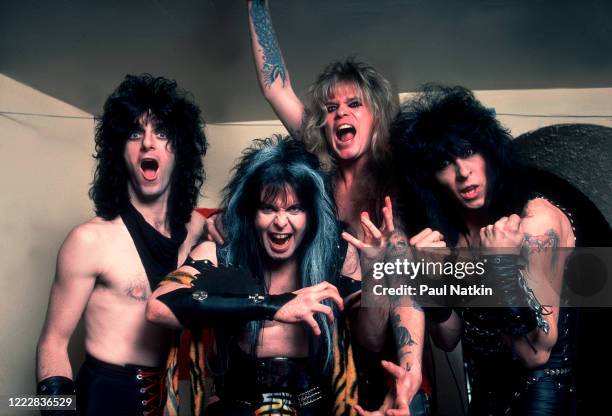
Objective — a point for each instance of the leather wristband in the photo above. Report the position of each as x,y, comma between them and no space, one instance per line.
513,319
56,386
347,286
503,274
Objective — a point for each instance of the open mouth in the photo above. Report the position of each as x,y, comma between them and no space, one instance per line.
149,168
279,241
469,192
345,132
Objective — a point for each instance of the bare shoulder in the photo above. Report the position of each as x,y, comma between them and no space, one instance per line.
85,241
91,233
543,221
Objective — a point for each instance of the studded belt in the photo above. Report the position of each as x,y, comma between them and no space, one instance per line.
549,372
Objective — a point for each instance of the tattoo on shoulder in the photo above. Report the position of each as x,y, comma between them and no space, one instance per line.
138,291
273,66
402,335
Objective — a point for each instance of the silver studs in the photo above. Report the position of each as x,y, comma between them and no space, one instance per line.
200,295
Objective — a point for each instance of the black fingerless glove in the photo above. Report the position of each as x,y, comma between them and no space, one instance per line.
56,386
223,295
198,308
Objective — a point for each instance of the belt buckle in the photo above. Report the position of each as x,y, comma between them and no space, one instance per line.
272,403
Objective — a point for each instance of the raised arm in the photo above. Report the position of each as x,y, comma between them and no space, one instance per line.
74,281
270,67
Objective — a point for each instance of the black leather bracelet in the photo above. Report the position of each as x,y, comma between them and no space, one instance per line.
513,316
503,274
56,386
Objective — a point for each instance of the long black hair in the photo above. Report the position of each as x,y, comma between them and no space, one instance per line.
268,167
176,113
438,124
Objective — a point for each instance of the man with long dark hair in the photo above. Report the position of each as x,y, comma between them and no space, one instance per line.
345,122
149,149
457,158
275,273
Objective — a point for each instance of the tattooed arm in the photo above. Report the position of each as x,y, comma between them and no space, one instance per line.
271,71
408,326
542,229
406,375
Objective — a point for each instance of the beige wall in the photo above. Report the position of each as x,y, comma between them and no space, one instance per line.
46,168
226,144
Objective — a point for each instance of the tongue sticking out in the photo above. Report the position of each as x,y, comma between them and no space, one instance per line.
149,169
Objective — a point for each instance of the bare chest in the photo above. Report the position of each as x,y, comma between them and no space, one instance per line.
123,275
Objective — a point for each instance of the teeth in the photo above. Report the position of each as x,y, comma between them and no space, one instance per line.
344,127
278,236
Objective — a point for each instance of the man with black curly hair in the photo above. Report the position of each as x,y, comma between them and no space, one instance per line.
149,148
457,158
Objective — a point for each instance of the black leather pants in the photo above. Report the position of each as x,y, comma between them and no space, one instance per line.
535,394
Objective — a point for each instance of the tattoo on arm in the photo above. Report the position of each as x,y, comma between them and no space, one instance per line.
540,243
398,248
273,66
397,245
402,336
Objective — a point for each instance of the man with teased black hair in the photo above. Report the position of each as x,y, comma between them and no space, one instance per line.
108,266
458,158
